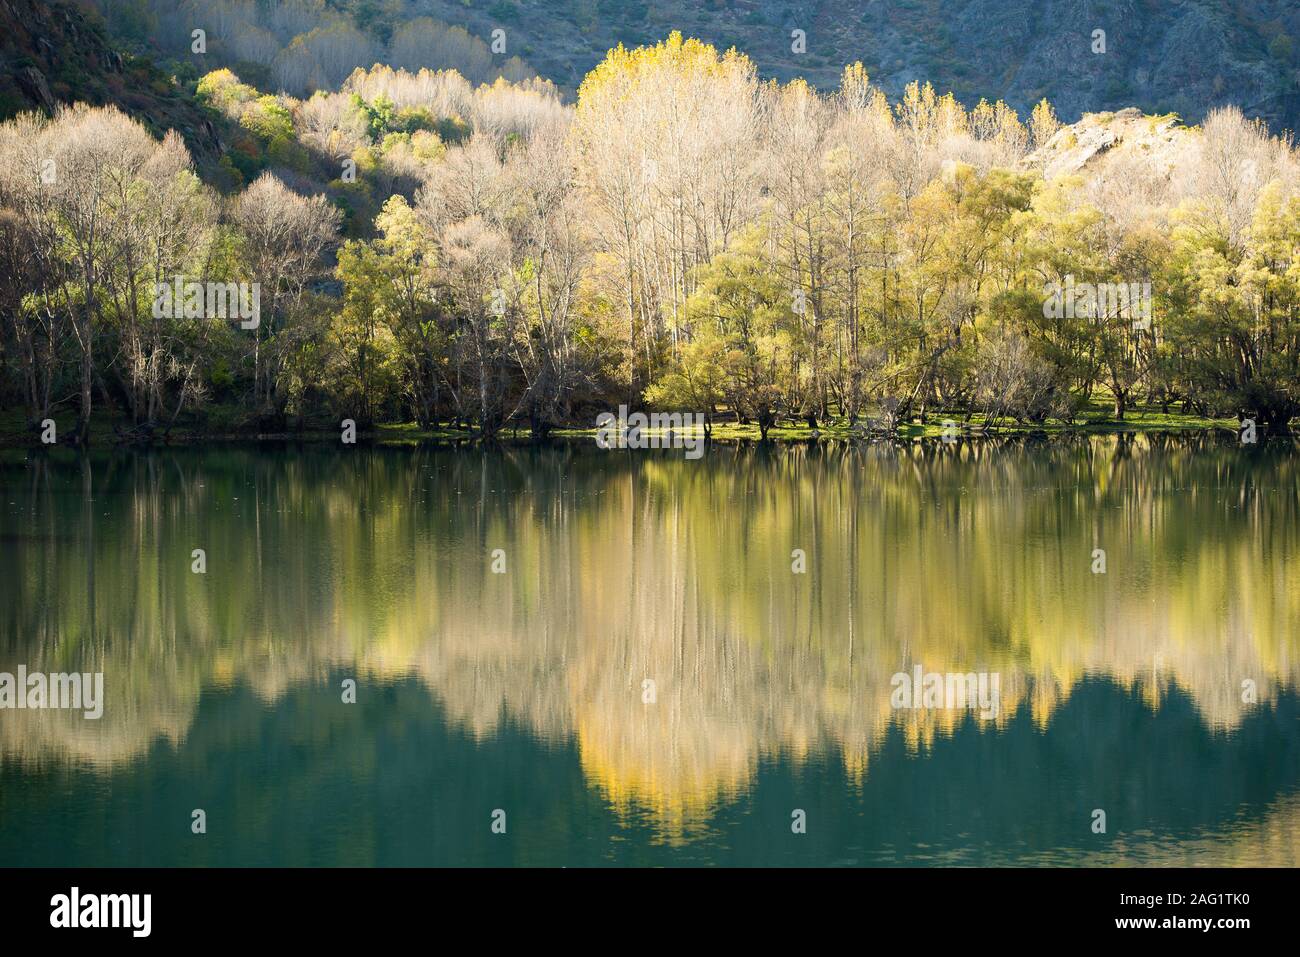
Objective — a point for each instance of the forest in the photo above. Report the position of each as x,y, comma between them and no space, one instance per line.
684,236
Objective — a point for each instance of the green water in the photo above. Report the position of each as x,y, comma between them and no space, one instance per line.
649,680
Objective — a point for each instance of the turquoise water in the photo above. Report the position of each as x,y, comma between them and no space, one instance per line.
646,679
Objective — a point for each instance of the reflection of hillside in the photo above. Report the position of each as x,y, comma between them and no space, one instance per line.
625,567
284,768
40,737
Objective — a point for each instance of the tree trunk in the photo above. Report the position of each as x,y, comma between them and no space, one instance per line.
83,424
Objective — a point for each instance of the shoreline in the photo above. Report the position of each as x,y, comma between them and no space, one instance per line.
104,436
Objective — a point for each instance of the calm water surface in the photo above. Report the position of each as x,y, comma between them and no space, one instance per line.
524,691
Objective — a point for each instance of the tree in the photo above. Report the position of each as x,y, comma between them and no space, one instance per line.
1233,315
285,236
389,314
741,312
666,201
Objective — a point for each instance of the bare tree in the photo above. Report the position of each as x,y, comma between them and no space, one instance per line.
286,236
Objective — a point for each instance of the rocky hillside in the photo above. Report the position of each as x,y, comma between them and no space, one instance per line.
1163,56
51,52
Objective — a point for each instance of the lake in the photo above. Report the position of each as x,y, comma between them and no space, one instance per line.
568,656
